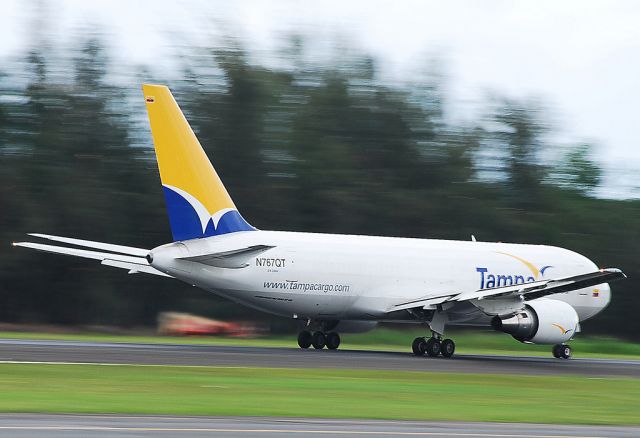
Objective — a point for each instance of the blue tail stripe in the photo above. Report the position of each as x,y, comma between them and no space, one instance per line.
184,221
186,224
230,222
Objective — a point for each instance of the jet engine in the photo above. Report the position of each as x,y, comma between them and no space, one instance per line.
542,321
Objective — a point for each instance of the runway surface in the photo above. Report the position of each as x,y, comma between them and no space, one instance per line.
93,426
208,355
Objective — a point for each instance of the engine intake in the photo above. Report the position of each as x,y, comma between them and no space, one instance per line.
542,321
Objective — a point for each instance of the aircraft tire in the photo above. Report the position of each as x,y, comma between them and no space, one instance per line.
318,340
419,346
447,347
333,340
433,347
561,351
304,339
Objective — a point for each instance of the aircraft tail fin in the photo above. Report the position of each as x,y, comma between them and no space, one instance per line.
198,204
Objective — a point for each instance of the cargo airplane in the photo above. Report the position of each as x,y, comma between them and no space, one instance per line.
340,283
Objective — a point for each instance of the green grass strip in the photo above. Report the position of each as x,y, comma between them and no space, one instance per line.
126,389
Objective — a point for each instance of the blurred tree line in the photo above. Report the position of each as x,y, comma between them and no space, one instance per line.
301,147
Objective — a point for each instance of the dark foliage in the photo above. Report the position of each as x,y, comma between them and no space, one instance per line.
301,148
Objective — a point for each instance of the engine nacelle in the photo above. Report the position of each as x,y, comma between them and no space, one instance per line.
542,321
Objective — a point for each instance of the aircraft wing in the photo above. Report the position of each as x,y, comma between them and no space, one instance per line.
423,303
528,291
130,258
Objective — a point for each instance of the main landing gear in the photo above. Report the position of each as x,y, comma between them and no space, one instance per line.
319,340
561,351
433,347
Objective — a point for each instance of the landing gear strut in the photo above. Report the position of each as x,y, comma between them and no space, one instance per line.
433,347
561,351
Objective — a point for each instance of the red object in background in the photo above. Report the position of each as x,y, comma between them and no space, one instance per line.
184,324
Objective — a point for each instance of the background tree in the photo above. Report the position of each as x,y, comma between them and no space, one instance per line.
309,147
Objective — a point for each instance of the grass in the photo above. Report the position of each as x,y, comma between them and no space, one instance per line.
467,342
317,393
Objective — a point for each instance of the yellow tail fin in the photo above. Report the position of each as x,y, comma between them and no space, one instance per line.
197,202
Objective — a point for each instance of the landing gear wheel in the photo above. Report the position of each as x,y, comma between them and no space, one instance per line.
432,347
333,340
304,339
561,351
419,346
318,340
447,347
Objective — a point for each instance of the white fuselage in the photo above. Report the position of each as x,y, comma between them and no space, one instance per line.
343,277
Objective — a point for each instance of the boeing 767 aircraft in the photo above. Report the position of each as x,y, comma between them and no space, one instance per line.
335,283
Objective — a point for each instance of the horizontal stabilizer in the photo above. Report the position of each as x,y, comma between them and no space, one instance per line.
132,263
233,259
129,250
133,268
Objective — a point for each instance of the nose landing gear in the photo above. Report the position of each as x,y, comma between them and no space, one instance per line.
561,351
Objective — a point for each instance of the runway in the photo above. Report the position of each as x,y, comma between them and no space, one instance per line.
98,426
208,355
